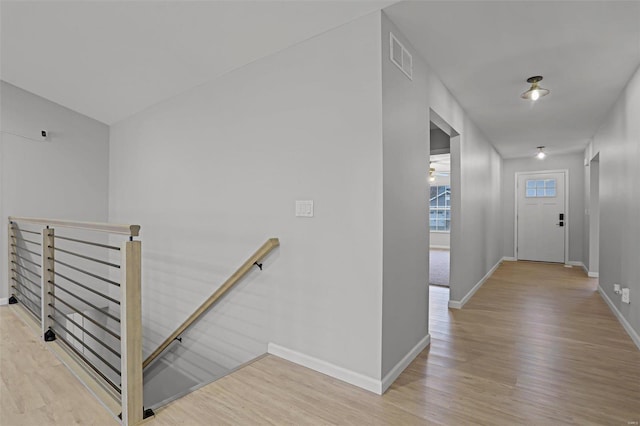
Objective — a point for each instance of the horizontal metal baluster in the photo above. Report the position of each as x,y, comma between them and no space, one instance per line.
25,269
86,257
82,357
75,268
91,243
83,315
101,310
110,299
69,333
86,331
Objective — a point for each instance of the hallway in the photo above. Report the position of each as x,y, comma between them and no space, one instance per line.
535,345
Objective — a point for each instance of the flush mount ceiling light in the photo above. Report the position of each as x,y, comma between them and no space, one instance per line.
535,91
541,154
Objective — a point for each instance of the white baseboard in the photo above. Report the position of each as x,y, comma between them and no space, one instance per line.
395,372
4,301
593,274
509,259
440,247
630,331
324,367
458,304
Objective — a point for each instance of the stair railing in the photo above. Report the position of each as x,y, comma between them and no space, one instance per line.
45,279
255,259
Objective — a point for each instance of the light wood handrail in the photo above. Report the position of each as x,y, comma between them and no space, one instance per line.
264,250
131,230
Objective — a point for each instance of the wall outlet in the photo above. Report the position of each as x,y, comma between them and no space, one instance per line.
616,289
625,296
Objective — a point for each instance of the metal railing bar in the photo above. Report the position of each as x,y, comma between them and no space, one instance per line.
28,251
20,275
26,241
82,357
97,355
87,242
101,310
24,230
75,268
25,288
26,260
26,269
110,299
74,309
24,304
86,257
90,334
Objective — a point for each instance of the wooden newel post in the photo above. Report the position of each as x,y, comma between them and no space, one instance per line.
11,275
47,278
131,332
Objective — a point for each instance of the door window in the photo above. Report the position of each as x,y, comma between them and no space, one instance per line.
536,188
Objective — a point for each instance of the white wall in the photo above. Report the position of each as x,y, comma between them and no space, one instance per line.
618,143
214,172
405,123
64,177
572,162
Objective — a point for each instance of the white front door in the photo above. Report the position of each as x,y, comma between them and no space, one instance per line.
541,216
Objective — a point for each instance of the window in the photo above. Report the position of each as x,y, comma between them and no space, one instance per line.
540,188
440,208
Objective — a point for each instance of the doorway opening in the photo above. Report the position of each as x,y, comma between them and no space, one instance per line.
594,216
441,205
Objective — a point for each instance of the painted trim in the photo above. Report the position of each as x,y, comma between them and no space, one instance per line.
584,267
4,301
395,372
625,324
458,304
324,367
566,209
509,259
440,247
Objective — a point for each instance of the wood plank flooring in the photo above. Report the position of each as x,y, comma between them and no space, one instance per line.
536,345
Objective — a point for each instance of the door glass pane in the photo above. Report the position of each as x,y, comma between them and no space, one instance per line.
539,184
531,183
550,183
531,192
550,192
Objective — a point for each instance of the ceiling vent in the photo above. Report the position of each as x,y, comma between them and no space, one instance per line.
401,56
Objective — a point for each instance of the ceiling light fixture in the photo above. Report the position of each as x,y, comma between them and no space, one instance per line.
432,177
541,154
535,91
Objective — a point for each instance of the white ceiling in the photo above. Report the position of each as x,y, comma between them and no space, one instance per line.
111,59
484,51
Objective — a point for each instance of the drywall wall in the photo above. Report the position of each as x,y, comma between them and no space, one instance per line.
214,172
617,144
572,162
64,177
405,123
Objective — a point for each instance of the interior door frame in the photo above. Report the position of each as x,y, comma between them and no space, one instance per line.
566,210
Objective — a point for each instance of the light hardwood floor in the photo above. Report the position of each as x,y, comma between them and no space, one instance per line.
535,345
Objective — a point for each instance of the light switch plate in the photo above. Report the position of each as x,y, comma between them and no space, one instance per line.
616,288
304,208
625,296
